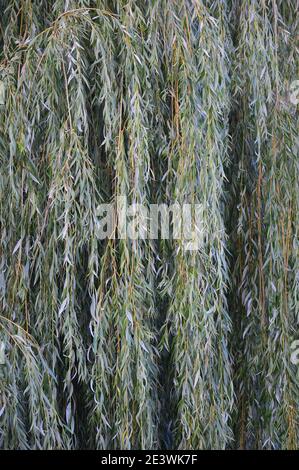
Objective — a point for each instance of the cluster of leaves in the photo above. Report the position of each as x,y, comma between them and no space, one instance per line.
123,343
264,196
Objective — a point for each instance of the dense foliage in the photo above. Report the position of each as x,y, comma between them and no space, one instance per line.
126,344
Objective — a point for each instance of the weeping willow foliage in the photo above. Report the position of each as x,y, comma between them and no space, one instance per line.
140,344
266,233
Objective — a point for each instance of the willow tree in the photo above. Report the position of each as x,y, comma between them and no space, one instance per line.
265,230
124,343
